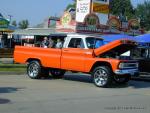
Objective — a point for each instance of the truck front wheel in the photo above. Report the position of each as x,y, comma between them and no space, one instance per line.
57,73
34,70
102,76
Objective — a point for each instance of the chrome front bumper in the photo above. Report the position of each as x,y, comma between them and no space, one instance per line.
127,71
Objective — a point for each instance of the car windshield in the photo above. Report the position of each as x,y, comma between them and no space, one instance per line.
93,42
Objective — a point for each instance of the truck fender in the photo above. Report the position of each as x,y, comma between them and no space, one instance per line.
100,63
33,59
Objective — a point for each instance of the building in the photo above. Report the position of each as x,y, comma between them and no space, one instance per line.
5,32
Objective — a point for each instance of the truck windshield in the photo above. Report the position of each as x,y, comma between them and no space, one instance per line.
93,42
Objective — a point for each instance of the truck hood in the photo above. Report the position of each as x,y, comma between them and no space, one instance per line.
120,46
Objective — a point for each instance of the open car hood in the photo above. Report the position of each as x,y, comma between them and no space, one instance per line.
120,46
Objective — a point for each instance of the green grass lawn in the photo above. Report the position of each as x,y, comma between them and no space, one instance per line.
12,67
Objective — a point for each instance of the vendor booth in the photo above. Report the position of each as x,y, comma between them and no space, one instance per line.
6,42
5,33
31,36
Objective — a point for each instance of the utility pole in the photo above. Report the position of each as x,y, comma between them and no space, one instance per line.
10,17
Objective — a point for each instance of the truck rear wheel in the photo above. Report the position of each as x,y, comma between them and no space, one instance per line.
102,76
35,70
57,73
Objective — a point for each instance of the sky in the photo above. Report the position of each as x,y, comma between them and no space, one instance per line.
33,10
36,10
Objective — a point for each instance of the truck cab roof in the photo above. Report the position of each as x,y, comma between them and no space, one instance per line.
81,35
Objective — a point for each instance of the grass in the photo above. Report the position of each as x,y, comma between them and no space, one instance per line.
12,67
19,65
13,70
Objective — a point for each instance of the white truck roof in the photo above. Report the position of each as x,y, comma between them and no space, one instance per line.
83,35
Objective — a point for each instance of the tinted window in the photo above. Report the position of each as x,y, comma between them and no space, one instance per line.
76,43
94,42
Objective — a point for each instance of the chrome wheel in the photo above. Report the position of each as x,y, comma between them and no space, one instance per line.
33,70
102,76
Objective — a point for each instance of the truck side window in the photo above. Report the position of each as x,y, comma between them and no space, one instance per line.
76,43
94,42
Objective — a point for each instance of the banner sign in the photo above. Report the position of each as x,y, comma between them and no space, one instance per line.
91,24
82,9
134,24
66,24
66,19
114,23
101,1
100,8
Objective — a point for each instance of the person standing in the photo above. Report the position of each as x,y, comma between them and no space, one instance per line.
45,42
59,44
51,43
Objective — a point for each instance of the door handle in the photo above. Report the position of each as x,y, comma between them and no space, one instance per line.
66,50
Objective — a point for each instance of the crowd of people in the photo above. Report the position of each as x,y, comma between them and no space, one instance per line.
49,43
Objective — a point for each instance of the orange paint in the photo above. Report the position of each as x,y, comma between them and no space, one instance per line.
75,59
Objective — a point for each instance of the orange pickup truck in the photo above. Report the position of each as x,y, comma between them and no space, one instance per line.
79,53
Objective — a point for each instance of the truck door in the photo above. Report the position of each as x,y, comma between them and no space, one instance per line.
73,57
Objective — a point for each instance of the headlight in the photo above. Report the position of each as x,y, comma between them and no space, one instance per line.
124,65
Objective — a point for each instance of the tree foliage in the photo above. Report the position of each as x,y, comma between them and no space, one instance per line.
71,6
124,7
14,23
23,24
143,12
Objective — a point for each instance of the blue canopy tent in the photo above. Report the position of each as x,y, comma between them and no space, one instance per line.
143,40
110,38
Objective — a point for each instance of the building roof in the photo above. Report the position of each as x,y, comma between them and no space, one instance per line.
34,31
8,29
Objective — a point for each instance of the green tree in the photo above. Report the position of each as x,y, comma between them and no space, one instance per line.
73,5
23,24
143,12
124,7
14,23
